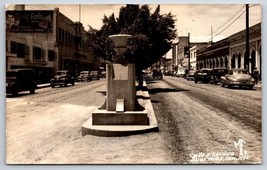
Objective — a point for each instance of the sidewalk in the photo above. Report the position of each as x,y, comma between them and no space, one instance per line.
258,86
39,86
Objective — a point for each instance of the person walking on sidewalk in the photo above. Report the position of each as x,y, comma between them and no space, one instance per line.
255,75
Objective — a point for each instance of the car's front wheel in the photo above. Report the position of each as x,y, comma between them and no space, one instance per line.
32,91
15,92
250,87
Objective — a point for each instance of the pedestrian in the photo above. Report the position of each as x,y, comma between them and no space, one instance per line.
255,74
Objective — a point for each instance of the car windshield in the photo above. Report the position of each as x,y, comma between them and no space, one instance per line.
61,73
240,72
11,74
205,71
84,73
192,72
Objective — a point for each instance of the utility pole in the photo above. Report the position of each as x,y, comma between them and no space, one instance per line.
247,38
189,65
77,42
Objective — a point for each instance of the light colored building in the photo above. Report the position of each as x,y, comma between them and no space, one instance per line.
231,51
46,41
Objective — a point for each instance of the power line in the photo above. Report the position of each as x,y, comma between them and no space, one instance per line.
230,24
229,19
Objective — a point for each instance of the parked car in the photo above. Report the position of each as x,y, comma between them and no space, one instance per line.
238,77
62,77
157,75
103,74
18,80
216,73
180,73
191,75
94,75
203,75
84,76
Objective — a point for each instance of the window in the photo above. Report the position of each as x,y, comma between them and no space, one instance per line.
20,50
37,54
51,55
62,35
59,35
13,47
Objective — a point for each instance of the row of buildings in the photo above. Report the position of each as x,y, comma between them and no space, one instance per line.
46,41
229,53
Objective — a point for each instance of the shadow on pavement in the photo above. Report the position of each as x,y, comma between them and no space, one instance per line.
164,90
102,92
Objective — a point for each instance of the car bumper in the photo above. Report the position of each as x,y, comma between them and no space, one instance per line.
58,82
242,83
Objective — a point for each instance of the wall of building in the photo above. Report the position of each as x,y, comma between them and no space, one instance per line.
231,52
47,52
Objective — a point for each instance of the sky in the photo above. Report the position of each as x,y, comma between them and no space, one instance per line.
200,20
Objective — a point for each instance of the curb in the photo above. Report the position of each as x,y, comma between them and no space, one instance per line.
40,86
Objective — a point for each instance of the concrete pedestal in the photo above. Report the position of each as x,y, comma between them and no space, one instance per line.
120,85
112,123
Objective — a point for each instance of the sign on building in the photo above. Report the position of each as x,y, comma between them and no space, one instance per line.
29,21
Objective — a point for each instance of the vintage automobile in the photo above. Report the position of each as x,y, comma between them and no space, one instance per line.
216,74
84,76
191,75
18,80
94,75
103,74
239,78
203,75
181,72
157,74
62,77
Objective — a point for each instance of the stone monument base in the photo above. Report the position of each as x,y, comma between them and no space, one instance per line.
103,117
112,123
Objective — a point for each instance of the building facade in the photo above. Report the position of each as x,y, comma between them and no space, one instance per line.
46,41
231,52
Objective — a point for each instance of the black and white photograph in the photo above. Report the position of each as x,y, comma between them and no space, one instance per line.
124,84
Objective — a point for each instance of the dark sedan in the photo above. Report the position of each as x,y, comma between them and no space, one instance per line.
203,75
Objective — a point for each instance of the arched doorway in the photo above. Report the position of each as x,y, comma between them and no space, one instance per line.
226,62
239,60
233,61
221,62
253,59
217,62
260,64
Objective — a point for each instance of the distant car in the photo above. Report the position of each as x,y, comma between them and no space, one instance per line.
180,73
103,74
84,76
94,75
203,75
216,74
18,80
62,77
191,75
238,77
157,75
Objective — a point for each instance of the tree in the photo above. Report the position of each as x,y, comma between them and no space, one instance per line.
151,35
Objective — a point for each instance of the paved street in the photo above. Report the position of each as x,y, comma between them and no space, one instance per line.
45,128
194,119
206,118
